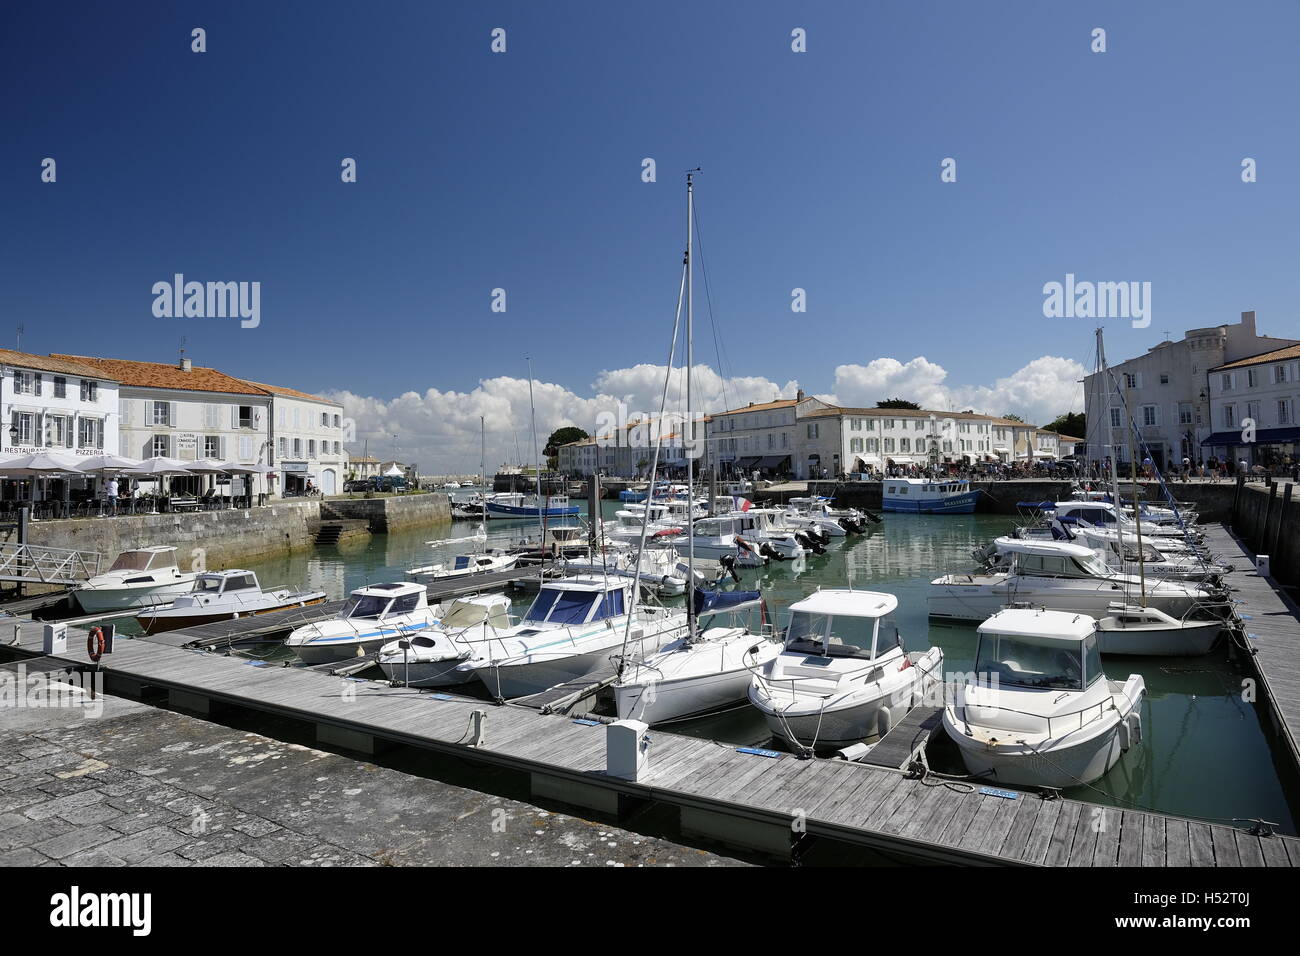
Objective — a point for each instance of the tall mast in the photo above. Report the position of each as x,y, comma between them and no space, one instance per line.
1137,508
1114,449
532,412
689,442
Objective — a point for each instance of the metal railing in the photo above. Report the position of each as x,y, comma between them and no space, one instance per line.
38,564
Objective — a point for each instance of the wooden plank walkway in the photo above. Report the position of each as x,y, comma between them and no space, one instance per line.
869,806
1271,621
897,748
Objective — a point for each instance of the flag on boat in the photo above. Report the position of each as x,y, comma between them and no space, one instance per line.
740,504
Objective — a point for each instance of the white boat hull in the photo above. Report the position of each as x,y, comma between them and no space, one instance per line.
109,599
1189,641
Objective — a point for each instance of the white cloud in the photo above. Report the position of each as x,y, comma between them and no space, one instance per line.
439,430
1038,392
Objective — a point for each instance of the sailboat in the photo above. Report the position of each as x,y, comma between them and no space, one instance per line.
1134,628
704,669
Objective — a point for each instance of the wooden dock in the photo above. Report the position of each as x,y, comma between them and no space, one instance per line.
755,799
1271,625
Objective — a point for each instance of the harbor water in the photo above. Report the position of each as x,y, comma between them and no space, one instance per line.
1206,752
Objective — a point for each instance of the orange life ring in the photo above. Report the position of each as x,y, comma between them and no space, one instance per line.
95,643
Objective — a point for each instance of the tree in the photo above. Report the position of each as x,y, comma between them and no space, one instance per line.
897,403
1071,423
1013,417
562,436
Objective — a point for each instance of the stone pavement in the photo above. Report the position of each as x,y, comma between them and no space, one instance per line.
142,786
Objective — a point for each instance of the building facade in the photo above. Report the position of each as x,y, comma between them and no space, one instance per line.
57,405
758,438
1167,393
1253,405
306,436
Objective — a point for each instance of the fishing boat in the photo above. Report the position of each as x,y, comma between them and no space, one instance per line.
372,615
1041,711
140,577
571,628
1059,576
529,506
948,496
223,596
429,657
465,565
836,682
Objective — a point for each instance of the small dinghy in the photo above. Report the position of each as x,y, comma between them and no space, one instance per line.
223,596
837,683
429,657
372,616
1041,712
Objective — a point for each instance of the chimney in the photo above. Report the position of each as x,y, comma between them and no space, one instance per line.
1248,322
186,365
799,396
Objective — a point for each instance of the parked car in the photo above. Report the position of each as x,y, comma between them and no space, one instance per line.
359,484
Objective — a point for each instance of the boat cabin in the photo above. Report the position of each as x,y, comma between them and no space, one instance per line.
1027,648
378,601
1053,559
492,610
225,582
578,601
835,623
472,562
158,558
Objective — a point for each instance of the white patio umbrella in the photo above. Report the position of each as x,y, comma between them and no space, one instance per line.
159,468
42,464
101,465
240,468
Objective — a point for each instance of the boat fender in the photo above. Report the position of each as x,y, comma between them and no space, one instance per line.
884,721
95,643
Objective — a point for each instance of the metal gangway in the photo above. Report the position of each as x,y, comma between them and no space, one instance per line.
37,564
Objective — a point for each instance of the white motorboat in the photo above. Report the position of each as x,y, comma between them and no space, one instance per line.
657,569
464,565
696,675
766,527
837,682
1041,712
1103,514
373,615
430,656
817,513
1150,632
222,596
718,538
1059,576
140,577
572,627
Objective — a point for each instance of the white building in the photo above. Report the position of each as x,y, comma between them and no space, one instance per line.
306,436
853,440
1253,405
1167,392
56,404
759,437
625,453
188,412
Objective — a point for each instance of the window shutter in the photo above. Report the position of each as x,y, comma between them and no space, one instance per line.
172,413
70,424
221,447
234,416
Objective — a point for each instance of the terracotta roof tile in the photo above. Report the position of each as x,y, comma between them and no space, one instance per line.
158,375
50,363
1277,355
291,392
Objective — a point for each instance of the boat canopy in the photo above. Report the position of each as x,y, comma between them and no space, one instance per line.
711,602
848,603
145,559
1042,547
1037,622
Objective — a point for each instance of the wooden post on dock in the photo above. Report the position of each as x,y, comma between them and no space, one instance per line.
1262,539
1277,531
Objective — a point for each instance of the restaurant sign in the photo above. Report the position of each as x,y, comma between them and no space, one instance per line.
16,450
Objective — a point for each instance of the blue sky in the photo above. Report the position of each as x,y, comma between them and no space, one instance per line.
522,170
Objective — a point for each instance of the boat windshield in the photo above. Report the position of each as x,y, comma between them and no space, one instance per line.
365,605
849,636
1032,661
212,584
556,606
465,614
142,560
